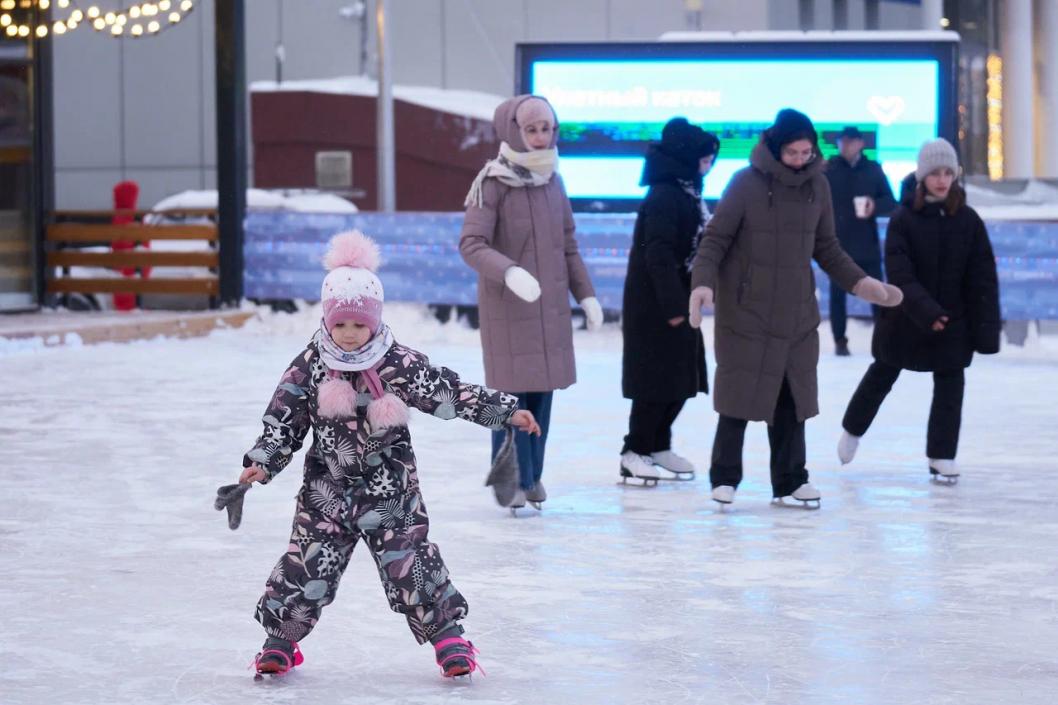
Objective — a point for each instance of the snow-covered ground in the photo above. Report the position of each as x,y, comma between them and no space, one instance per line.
123,585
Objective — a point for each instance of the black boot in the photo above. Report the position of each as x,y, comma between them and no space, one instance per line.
841,347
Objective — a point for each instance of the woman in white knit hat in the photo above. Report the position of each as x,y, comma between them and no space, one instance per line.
938,252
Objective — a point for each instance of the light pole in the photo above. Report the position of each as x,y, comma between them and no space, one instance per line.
387,197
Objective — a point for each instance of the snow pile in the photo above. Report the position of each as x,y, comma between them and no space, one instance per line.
1037,201
304,201
468,103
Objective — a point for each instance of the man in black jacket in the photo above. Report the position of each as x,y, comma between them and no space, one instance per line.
861,193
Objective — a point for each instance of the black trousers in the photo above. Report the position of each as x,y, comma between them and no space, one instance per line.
786,436
838,316
945,413
650,426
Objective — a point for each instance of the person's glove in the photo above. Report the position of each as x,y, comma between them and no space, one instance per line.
592,312
230,497
878,293
701,297
522,283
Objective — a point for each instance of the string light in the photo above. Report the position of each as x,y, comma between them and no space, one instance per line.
147,18
994,100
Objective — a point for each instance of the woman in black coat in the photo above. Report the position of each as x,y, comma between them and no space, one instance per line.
938,252
664,358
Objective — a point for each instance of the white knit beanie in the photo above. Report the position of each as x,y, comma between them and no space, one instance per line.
936,154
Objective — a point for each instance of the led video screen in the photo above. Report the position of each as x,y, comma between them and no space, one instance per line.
611,107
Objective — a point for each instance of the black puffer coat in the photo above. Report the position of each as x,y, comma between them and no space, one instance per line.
943,263
858,236
662,363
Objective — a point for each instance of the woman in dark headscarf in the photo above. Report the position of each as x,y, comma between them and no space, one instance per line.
664,358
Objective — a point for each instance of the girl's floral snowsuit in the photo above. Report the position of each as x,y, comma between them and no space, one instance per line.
362,483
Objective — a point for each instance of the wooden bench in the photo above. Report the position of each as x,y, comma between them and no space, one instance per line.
72,231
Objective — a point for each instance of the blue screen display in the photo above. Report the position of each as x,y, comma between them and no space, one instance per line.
610,109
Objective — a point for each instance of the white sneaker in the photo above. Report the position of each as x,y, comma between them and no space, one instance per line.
640,466
724,494
947,469
847,445
670,461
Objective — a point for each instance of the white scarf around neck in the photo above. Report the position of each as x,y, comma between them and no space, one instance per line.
517,169
363,358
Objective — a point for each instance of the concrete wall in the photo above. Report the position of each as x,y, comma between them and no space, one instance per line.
144,109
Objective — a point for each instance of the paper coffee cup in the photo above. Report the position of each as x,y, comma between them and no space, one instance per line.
860,203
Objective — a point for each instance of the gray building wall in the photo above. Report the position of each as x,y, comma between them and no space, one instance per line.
144,109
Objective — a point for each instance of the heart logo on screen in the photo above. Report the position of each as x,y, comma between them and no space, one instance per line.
887,109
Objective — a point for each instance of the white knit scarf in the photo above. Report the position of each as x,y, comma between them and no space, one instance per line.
518,169
363,358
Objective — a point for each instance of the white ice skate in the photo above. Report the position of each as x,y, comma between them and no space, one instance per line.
639,467
724,495
679,467
517,502
944,471
536,496
806,494
847,445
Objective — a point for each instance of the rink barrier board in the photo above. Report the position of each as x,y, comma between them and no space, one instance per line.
421,261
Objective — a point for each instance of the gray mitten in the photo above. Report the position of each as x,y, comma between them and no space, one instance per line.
503,477
230,497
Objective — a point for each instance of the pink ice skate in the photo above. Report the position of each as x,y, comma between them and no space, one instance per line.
455,656
277,657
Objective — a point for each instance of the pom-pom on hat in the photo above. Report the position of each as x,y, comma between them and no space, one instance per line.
351,291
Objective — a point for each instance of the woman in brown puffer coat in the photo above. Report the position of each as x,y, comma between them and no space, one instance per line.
518,236
774,218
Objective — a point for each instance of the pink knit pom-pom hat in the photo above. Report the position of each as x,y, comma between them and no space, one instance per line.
351,291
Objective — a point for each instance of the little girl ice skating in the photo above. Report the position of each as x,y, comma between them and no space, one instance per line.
352,385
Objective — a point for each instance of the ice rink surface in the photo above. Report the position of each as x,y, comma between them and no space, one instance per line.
123,585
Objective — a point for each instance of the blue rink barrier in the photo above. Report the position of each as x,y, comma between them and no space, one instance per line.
421,262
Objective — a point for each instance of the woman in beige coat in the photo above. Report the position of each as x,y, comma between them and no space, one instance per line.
774,218
519,236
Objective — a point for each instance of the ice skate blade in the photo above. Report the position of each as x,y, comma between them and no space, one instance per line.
806,504
627,475
946,480
538,506
678,477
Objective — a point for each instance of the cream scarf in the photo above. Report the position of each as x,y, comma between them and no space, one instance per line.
358,360
518,169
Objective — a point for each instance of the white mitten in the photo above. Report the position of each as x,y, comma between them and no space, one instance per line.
592,312
701,297
522,283
878,293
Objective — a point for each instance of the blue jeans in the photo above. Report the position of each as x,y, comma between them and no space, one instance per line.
529,448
